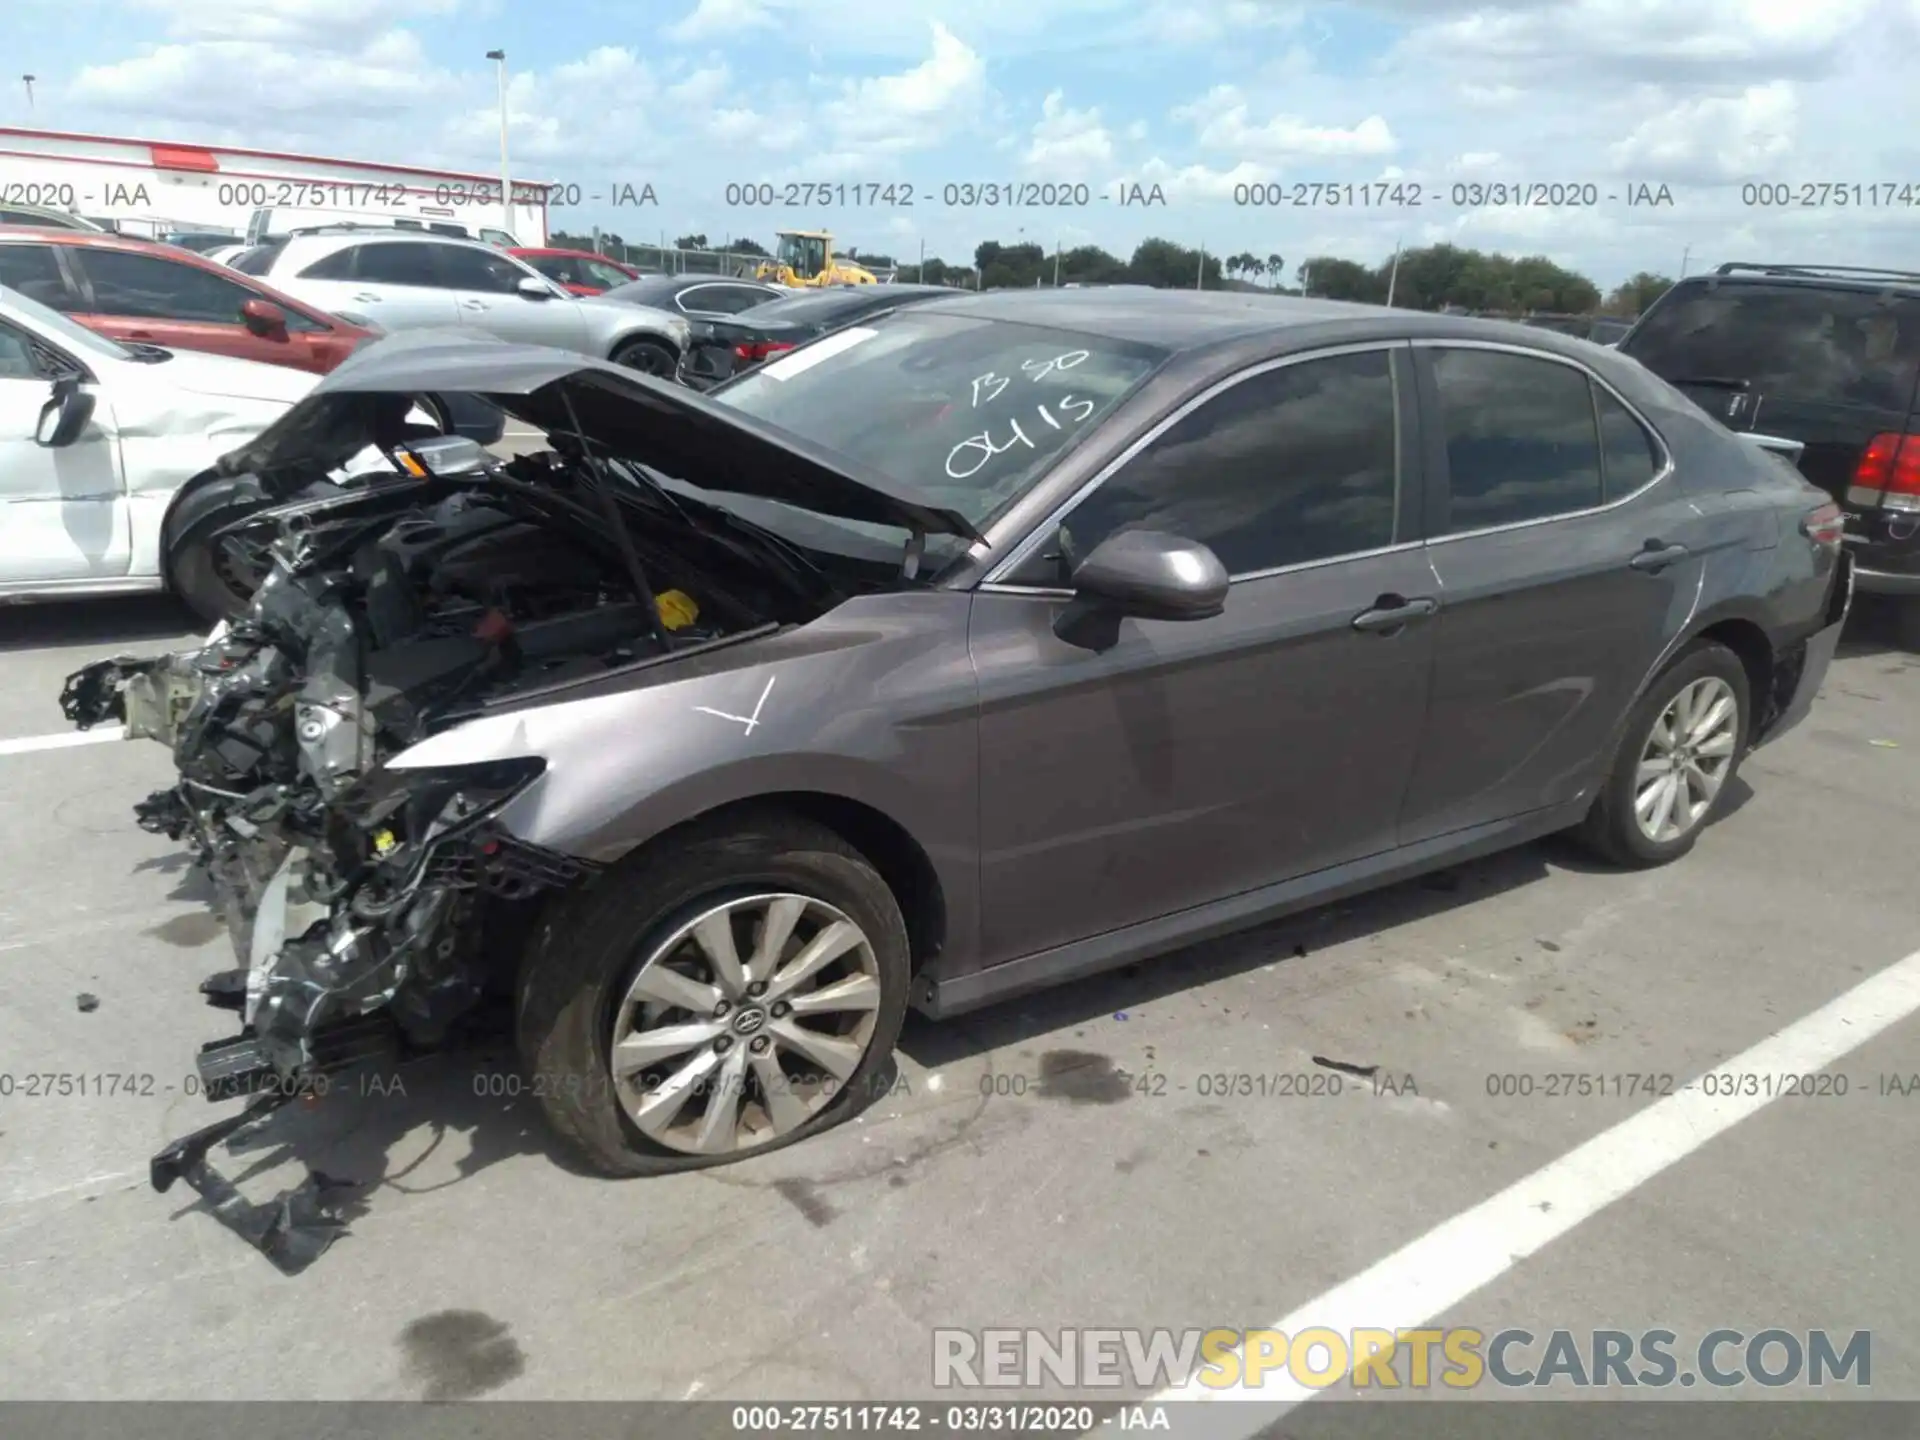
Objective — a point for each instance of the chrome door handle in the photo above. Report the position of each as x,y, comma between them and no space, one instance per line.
475,304
367,298
1657,557
1391,614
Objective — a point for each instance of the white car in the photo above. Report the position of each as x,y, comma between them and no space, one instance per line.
96,440
407,280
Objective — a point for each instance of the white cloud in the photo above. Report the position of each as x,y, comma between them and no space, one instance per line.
1716,138
702,87
325,24
1068,144
717,19
890,114
1223,119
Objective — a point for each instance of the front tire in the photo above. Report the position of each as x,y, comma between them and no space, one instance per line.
204,580
716,996
1678,755
649,357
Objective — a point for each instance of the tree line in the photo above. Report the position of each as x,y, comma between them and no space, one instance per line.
1432,277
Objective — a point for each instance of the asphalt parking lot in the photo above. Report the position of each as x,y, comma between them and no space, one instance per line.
1029,1170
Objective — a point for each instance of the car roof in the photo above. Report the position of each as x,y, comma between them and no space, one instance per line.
1814,277
1183,321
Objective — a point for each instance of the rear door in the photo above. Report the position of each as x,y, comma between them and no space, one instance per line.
1565,565
1197,760
394,283
63,512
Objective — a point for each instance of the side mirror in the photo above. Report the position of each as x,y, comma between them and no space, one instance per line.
65,415
533,289
264,318
1141,575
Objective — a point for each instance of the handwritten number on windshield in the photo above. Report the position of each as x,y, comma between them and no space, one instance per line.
998,382
1040,369
992,384
975,451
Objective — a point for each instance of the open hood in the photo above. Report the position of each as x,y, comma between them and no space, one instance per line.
650,422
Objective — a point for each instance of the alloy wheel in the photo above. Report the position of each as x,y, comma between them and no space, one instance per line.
1686,759
745,1024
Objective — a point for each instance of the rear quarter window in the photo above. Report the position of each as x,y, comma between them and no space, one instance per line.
1806,343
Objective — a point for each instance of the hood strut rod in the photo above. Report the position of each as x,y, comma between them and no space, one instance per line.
618,522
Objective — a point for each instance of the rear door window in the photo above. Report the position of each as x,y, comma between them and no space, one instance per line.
1522,438
1797,343
34,271
145,287
397,264
1627,452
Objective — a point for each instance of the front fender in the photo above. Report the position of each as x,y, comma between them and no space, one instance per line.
876,703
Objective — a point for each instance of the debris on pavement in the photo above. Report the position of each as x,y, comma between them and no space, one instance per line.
1365,1072
87,1003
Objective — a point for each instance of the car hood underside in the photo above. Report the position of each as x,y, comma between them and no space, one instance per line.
667,427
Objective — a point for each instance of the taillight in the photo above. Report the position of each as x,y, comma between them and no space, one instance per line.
1824,525
1888,474
754,351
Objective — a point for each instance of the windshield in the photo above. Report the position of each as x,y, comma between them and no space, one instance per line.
55,326
967,412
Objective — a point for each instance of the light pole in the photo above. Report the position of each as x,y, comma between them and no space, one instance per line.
506,180
1394,277
28,80
1685,256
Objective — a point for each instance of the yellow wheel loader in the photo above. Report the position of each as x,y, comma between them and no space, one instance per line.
804,258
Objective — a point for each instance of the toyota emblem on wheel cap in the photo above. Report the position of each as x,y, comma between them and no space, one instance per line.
749,1020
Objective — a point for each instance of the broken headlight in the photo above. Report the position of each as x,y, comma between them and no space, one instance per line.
398,812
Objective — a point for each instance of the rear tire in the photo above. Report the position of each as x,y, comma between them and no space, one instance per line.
1705,685
582,980
649,357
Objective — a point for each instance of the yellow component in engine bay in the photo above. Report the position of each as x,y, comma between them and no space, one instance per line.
677,609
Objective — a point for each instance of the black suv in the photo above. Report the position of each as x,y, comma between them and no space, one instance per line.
1826,355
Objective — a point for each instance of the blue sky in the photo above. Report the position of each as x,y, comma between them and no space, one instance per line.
1412,97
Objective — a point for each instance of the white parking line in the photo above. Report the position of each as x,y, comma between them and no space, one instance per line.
27,744
1450,1262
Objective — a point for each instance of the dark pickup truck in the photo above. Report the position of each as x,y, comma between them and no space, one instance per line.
1826,355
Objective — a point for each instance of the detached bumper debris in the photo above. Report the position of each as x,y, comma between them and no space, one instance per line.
293,1230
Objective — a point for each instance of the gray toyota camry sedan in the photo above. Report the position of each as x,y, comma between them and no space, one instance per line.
979,647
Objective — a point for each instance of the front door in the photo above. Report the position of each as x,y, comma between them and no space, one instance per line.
485,285
1197,760
63,512
1565,564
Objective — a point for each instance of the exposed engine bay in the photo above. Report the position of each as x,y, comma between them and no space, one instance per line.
370,907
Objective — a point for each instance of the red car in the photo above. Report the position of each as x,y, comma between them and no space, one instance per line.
578,271
145,292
